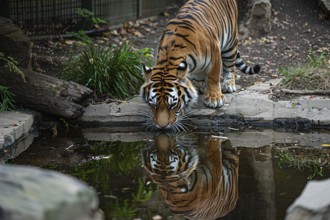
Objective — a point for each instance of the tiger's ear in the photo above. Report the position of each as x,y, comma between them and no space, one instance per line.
182,69
146,71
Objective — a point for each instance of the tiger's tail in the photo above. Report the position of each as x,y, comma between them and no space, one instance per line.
239,63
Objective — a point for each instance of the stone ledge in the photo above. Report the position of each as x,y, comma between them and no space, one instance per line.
14,126
253,103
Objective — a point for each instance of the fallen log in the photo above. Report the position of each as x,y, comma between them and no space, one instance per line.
46,94
302,92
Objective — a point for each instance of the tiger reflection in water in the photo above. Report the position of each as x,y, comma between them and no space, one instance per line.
197,182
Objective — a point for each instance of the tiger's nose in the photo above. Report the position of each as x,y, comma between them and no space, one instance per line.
162,123
168,125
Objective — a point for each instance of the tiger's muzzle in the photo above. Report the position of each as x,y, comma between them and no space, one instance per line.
164,118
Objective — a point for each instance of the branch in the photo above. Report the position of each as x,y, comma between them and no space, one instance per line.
303,92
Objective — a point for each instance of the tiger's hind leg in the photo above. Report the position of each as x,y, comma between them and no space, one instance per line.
228,74
228,84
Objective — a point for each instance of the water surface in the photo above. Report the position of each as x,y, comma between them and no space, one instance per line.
234,175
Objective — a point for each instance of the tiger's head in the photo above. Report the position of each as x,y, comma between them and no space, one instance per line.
167,91
168,163
196,175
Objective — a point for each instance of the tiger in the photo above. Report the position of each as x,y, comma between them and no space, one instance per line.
198,44
197,180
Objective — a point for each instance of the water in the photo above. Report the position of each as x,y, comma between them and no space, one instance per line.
236,175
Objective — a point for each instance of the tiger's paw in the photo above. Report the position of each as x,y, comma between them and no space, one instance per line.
214,100
228,86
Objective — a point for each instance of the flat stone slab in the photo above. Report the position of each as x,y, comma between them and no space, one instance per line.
14,126
39,194
253,103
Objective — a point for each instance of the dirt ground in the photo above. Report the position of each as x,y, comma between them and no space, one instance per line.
298,27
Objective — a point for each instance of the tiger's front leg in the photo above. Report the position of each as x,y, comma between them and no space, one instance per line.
213,96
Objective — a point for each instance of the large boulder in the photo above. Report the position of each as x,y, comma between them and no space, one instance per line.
325,4
257,21
14,43
38,194
313,203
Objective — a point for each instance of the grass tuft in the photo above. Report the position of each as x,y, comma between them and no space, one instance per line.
113,71
314,75
304,162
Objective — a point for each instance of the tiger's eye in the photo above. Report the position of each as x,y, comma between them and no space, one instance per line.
182,66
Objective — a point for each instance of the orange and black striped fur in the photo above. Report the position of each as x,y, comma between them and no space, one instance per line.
198,182
200,44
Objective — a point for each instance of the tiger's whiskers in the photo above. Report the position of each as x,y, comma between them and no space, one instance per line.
179,127
150,126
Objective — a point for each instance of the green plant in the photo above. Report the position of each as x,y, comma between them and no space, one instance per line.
315,60
124,210
89,15
11,64
6,99
148,53
66,124
82,36
113,71
314,75
303,164
142,194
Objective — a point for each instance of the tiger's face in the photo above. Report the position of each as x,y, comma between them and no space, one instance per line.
168,163
167,91
196,175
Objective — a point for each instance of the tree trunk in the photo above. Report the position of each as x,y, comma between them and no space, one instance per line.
47,94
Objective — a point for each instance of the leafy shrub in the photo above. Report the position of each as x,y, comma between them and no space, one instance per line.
6,97
11,64
89,15
113,71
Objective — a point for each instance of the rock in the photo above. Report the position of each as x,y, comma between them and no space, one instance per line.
14,126
14,43
313,203
258,19
38,194
325,4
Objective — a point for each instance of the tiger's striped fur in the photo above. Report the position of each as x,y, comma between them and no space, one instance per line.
198,182
200,43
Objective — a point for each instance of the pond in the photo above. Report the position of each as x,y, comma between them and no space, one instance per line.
255,174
